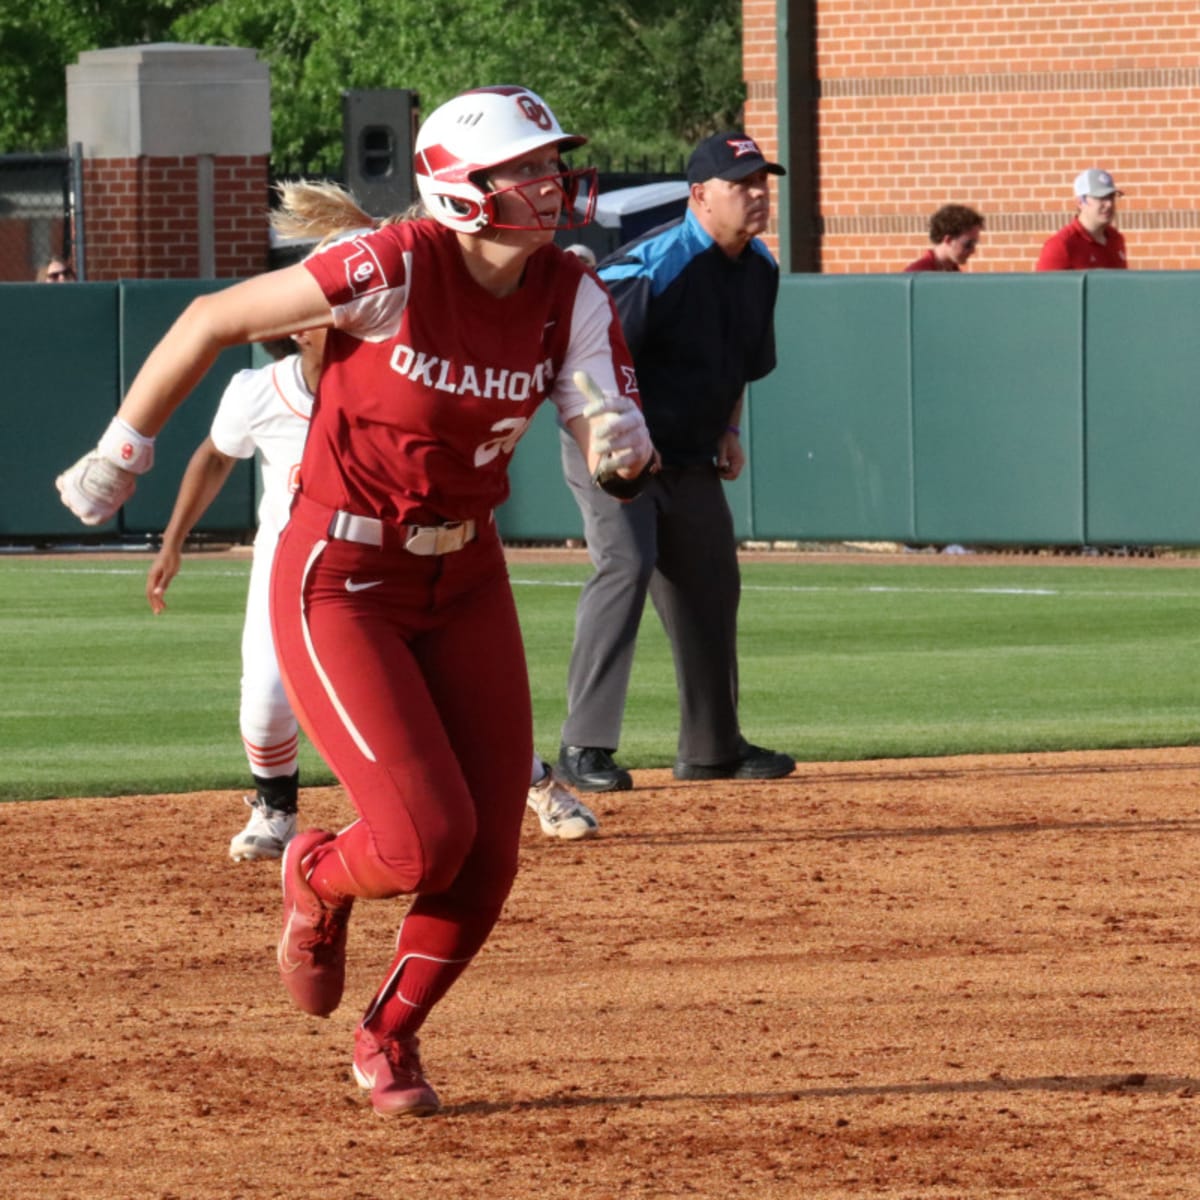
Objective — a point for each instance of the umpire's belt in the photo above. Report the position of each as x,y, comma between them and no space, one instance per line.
416,539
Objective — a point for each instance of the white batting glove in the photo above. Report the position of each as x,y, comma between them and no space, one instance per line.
104,478
619,436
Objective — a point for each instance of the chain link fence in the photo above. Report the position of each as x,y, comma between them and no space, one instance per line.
37,213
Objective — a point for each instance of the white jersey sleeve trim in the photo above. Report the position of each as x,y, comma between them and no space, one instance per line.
590,350
376,316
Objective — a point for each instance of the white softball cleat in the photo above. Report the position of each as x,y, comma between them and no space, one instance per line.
560,813
266,835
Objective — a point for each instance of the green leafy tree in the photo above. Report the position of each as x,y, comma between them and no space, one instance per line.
38,42
643,79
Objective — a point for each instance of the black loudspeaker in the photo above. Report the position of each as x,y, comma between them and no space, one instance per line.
378,131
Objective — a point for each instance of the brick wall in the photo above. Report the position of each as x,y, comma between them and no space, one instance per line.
241,191
142,217
998,107
758,71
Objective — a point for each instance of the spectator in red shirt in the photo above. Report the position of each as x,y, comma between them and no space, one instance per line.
954,231
1091,240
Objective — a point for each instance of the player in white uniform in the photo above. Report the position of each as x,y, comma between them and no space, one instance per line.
267,411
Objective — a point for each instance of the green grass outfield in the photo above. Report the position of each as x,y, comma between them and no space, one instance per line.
838,661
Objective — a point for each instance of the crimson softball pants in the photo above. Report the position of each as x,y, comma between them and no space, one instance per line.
408,675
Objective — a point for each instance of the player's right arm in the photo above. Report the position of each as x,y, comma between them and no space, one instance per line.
269,306
256,310
205,476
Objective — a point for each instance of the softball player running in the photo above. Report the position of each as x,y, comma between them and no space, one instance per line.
391,606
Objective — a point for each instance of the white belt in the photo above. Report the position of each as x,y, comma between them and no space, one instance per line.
418,539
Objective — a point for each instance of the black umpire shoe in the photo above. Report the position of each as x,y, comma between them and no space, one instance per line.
753,762
591,769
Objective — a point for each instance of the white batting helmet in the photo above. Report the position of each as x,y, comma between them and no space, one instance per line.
480,129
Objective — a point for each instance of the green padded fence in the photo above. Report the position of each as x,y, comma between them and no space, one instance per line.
997,399
1143,407
990,409
830,451
1042,409
62,382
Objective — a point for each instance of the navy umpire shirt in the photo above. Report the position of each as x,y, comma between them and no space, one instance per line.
700,326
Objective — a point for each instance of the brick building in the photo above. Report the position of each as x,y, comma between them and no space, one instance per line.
883,110
176,142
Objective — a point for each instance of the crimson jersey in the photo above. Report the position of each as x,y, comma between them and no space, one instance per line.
417,425
1072,248
930,262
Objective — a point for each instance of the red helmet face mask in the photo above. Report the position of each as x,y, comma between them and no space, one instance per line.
578,190
469,137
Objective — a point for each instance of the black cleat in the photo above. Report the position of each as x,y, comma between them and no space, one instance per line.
591,769
752,763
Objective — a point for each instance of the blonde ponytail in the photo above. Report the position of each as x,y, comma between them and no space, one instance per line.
316,208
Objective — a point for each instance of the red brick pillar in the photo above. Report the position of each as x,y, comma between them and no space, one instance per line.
760,72
176,141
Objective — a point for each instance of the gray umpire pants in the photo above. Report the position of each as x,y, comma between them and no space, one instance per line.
676,540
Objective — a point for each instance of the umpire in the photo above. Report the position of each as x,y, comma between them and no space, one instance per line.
696,299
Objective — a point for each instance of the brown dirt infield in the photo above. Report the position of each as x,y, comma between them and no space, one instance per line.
915,979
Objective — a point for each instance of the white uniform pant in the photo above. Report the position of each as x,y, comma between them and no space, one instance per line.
268,726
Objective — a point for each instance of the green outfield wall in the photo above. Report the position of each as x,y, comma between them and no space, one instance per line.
1051,409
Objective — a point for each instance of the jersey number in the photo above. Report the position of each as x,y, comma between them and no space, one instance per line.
510,430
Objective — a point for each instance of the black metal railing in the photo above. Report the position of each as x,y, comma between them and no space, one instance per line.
36,213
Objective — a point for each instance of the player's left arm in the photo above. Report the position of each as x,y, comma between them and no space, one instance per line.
596,394
612,434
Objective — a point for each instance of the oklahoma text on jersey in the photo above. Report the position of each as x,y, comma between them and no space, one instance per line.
498,384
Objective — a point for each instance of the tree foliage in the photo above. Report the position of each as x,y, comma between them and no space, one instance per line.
643,78
38,41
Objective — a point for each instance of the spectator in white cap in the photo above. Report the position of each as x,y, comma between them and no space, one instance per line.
1092,240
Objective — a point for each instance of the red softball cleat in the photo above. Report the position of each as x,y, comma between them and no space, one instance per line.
312,947
389,1070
